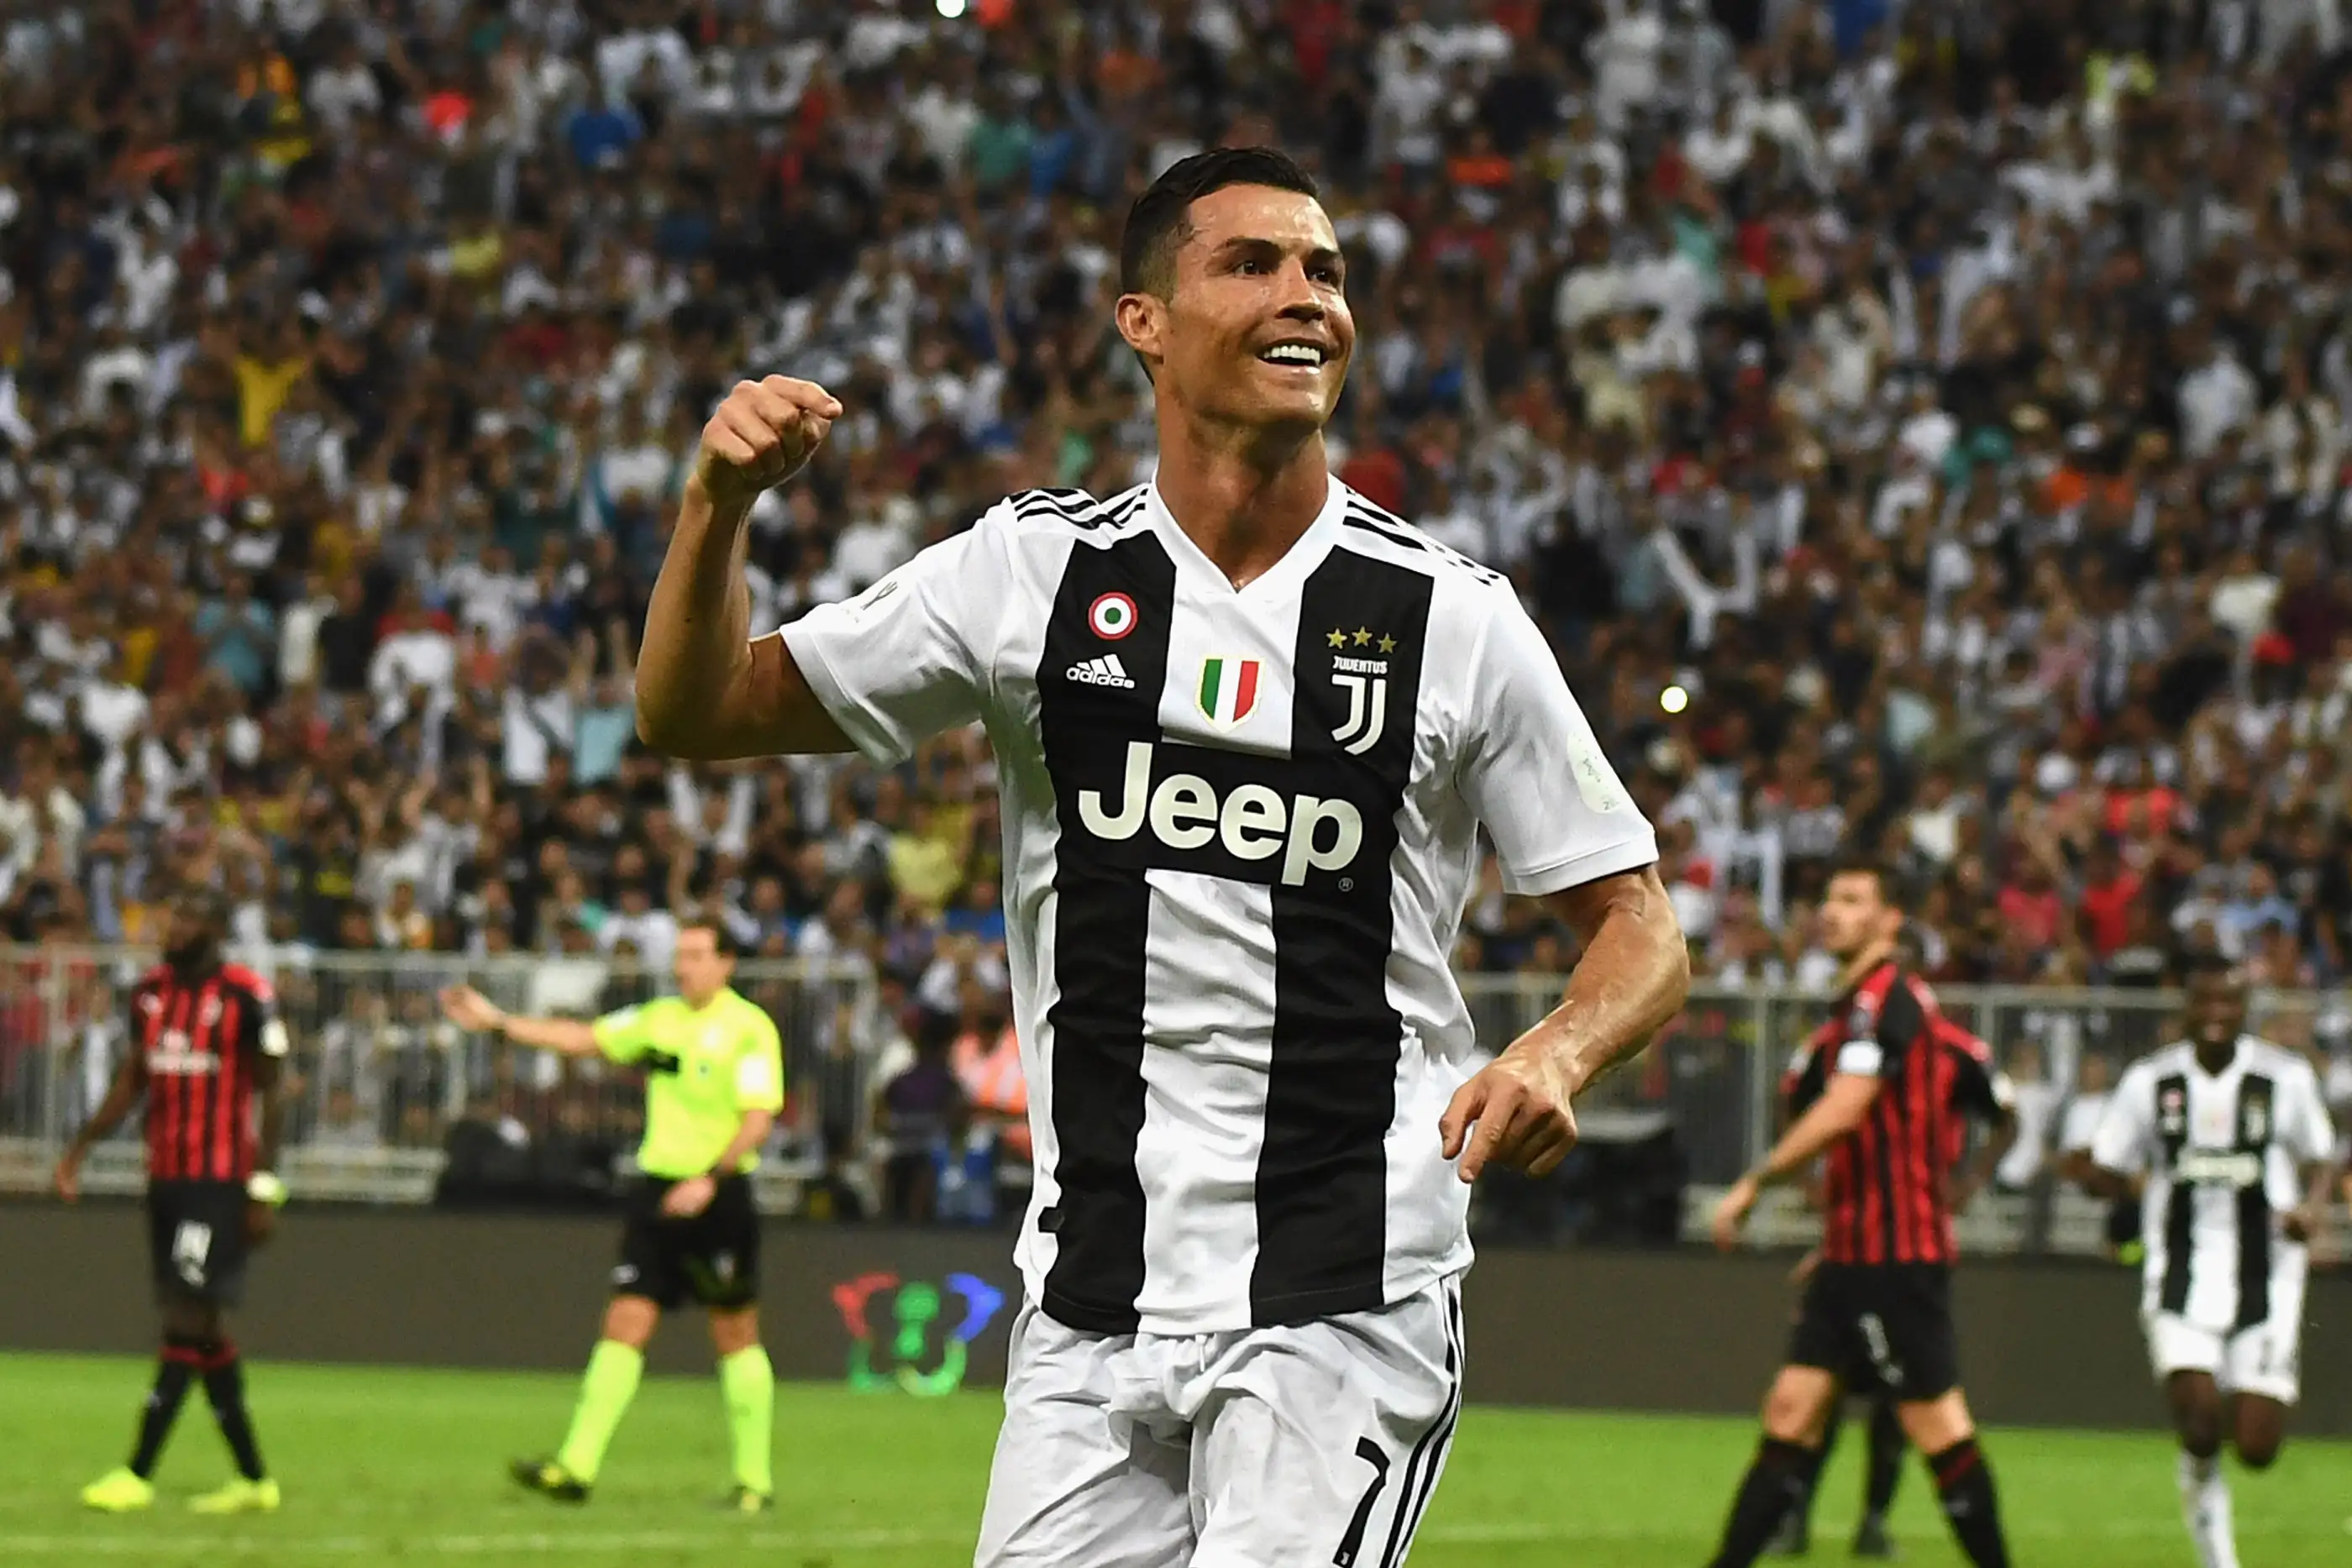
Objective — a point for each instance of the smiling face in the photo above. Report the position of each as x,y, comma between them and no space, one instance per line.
1247,322
2217,1008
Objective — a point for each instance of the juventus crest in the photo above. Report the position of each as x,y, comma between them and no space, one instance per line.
1365,680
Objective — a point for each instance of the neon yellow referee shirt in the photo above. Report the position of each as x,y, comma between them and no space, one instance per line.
704,1068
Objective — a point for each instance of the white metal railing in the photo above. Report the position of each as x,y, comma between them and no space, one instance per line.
1713,1074
382,1084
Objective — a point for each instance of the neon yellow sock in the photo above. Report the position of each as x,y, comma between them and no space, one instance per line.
750,1384
614,1369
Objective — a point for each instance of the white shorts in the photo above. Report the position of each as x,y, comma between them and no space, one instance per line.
1270,1447
2263,1360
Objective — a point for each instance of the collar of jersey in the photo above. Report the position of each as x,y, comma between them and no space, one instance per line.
1285,575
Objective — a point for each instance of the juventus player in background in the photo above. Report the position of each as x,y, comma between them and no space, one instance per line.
1878,1098
207,1048
1247,728
2225,1139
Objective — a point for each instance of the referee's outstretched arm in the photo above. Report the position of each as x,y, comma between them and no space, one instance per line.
468,1009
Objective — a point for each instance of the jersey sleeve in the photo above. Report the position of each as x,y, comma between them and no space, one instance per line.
624,1034
262,1029
2307,1131
911,656
1533,772
1979,1089
759,1068
1886,1022
2128,1126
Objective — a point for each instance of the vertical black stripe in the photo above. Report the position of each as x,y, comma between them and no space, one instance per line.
1102,919
1888,1131
187,1136
2257,1116
1322,1174
1429,1454
2181,1202
1843,1230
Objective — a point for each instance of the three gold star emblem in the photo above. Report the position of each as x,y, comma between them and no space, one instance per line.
1339,637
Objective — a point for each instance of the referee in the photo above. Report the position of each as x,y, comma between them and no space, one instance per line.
714,1082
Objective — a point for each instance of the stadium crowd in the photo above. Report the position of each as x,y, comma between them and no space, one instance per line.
1923,428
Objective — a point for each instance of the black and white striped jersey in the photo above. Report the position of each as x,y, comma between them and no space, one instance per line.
2221,1153
1240,828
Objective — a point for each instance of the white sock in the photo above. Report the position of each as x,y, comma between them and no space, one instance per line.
2205,1506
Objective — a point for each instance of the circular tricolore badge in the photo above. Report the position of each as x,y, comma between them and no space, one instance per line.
1112,616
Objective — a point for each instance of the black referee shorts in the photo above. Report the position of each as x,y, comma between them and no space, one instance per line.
196,1240
712,1257
1881,1328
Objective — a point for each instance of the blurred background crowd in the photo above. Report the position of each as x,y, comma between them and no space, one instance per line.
1922,427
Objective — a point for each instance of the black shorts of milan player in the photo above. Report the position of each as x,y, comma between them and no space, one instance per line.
205,1051
1877,1091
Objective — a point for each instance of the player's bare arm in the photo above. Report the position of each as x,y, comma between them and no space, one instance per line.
1977,1173
691,1196
468,1009
130,1084
1841,1109
2306,1220
1635,971
705,688
264,1191
2101,1182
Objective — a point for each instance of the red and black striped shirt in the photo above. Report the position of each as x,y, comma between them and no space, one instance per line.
1886,1198
200,1037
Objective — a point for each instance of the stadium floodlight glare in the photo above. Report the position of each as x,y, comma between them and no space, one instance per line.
1673,699
950,9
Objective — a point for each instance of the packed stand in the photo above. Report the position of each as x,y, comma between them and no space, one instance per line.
1922,429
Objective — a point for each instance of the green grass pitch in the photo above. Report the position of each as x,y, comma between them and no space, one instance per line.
384,1466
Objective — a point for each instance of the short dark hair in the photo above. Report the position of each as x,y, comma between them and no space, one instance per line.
1890,887
722,941
1160,220
2211,965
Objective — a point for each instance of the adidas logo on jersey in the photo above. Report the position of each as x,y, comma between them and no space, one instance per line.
1106,671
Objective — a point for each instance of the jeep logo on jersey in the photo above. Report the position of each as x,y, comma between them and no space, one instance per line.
2216,1167
1249,821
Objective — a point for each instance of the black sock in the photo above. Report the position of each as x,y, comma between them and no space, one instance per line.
224,1384
1817,1460
1773,1485
1965,1482
1886,1446
174,1368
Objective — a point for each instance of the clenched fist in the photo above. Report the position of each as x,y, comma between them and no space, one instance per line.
1514,1113
762,435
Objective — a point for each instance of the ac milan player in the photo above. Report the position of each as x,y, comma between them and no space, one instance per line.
1878,1101
1981,1094
207,1047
